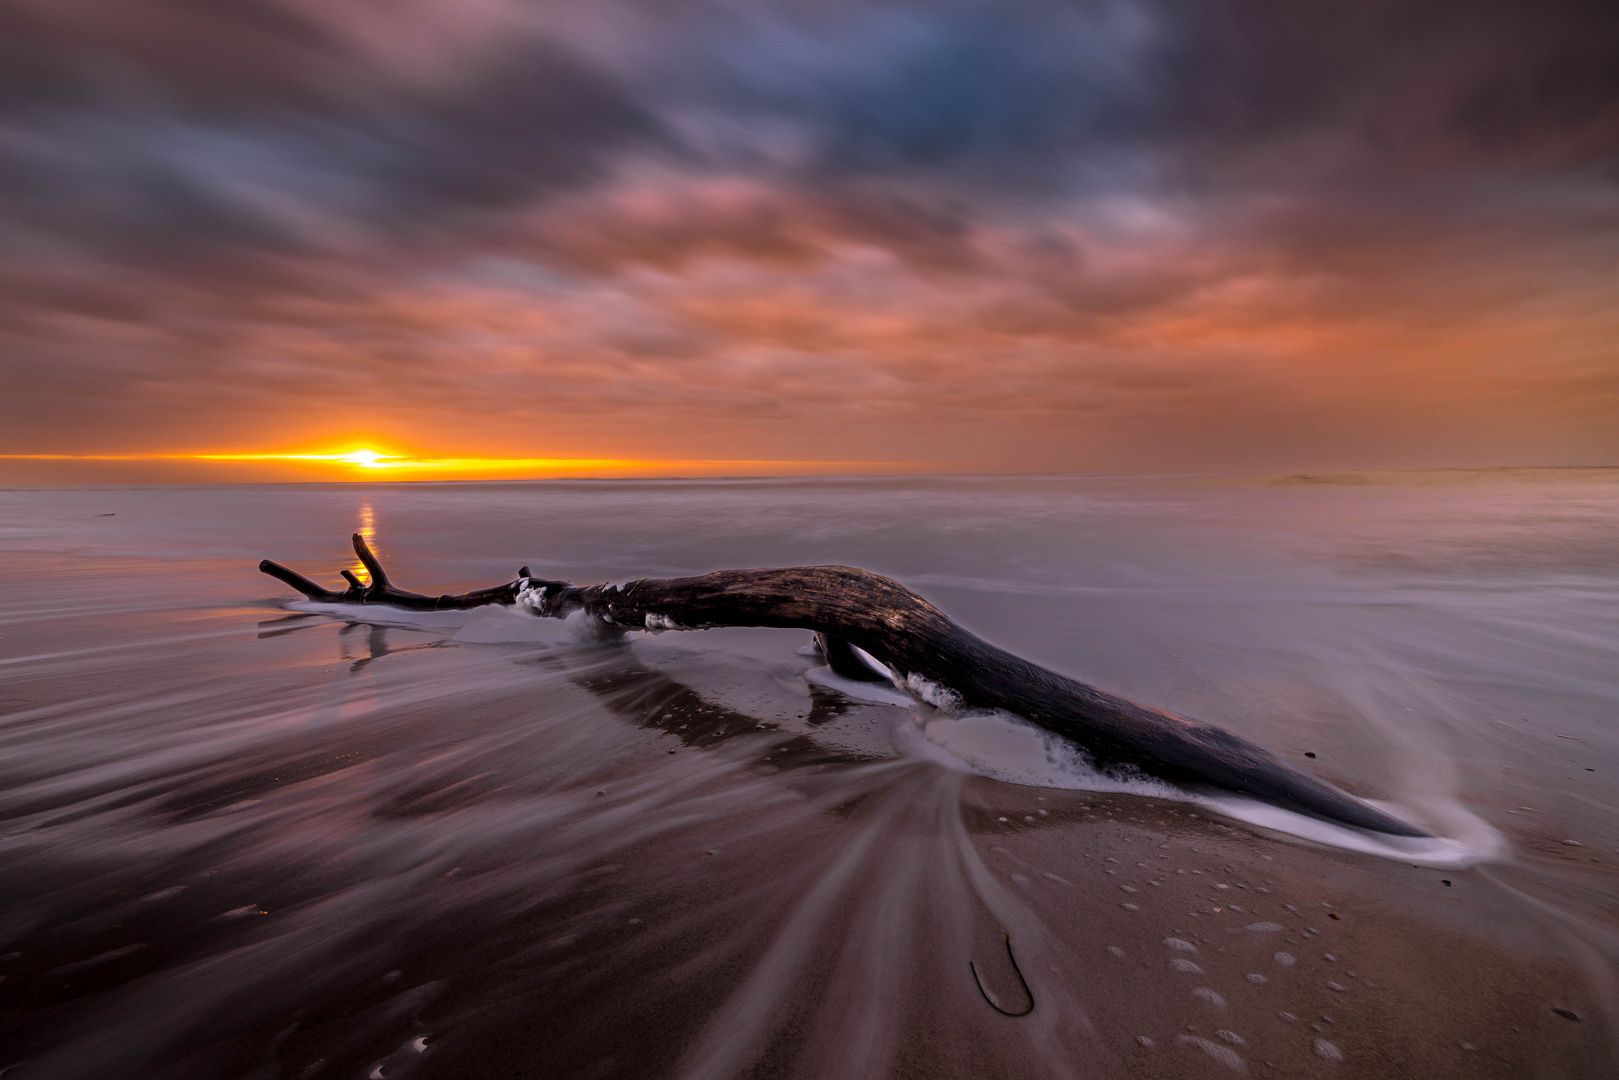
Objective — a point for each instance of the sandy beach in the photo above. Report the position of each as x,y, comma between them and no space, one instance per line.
245,838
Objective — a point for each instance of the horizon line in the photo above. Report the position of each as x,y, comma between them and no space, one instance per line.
371,460
936,473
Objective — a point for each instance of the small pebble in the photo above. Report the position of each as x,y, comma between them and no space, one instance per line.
1116,951
1325,1049
1129,907
1226,1057
1230,1036
1256,978
1143,1040
1339,987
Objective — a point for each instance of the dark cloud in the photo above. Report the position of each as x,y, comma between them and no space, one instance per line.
1020,209
148,127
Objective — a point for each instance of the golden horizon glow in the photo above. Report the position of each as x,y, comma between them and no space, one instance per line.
367,460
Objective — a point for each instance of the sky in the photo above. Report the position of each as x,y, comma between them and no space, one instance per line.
678,236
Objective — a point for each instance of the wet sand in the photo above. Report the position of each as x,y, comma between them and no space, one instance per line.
244,840
762,902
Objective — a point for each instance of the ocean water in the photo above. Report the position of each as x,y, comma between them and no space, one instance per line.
245,836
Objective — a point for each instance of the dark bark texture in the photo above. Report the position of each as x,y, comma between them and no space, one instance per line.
931,657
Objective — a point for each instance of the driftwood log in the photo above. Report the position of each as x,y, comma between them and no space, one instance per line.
926,654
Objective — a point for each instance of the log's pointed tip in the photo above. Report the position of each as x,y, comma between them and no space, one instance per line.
291,577
1408,830
1347,809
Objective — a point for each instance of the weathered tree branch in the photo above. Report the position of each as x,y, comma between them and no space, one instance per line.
929,655
381,590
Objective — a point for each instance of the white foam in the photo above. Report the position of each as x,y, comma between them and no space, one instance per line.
531,597
1473,840
877,693
925,689
1001,746
1004,747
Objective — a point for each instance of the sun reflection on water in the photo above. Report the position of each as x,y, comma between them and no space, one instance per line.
366,526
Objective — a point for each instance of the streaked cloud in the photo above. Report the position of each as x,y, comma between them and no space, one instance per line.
1021,235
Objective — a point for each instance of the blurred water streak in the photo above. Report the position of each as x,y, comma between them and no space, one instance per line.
240,839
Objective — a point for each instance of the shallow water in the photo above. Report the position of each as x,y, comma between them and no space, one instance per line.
242,837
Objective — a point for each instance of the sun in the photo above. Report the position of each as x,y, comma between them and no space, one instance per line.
365,459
